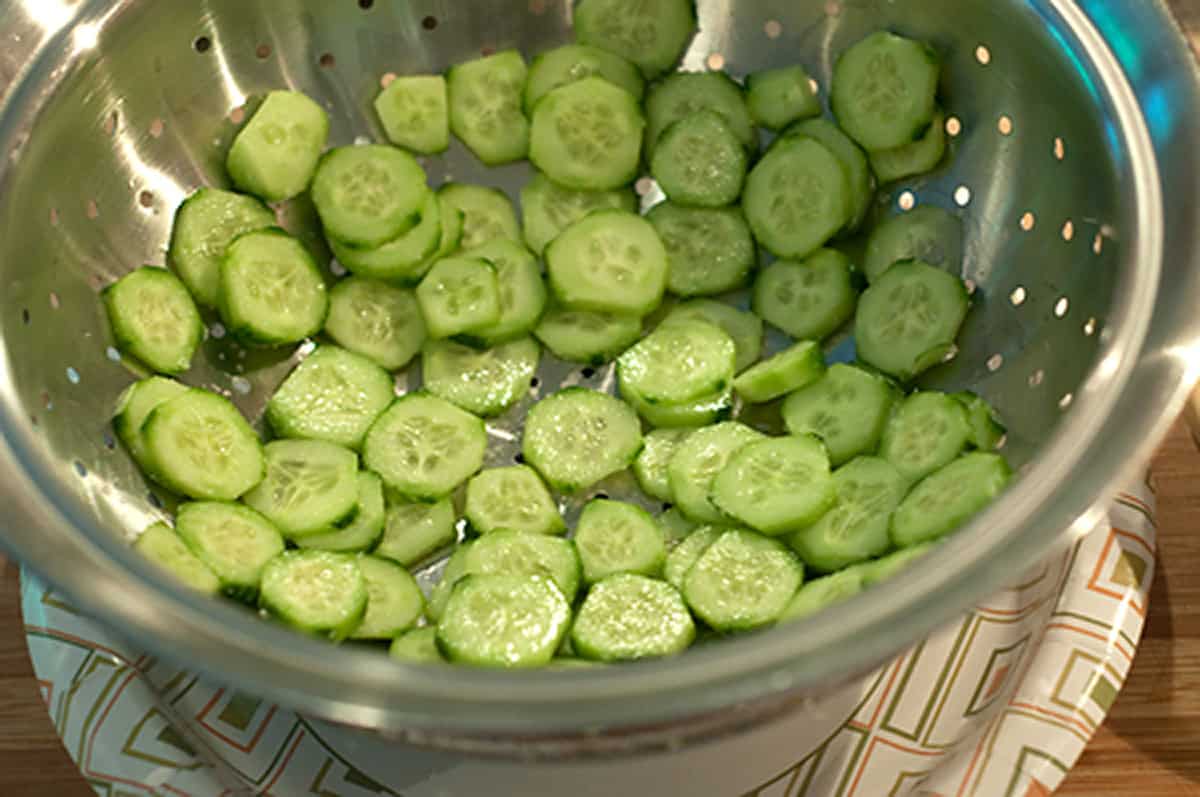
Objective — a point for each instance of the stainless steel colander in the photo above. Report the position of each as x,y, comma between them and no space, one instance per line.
1073,169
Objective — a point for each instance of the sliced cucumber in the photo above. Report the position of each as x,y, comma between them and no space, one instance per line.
582,337
778,97
746,329
364,530
742,581
573,62
459,295
588,135
199,445
504,621
162,546
317,592
486,382
311,487
816,596
881,570
698,460
522,292
547,208
919,157
485,107
929,234
134,407
675,528
678,363
368,195
608,262
847,408
650,468
334,395
275,155
705,410
405,259
519,553
376,320
514,499
853,160
154,318
418,646
424,446
684,93
777,485
796,197
271,289
578,436
709,250
651,35
884,90
414,531
394,600
949,497
986,429
909,319
927,431
856,528
205,224
688,551
487,213
232,541
700,162
788,371
628,617
452,573
809,299
615,537
414,112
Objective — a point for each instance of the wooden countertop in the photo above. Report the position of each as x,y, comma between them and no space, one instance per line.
1150,746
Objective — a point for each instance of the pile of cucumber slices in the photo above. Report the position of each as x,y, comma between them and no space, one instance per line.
836,476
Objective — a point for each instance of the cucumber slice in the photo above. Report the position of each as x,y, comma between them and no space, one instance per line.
484,382
154,318
678,363
522,292
775,486
364,530
909,319
856,528
687,552
608,262
574,62
684,93
311,486
271,289
709,251
810,299
742,581
412,532
199,445
853,160
746,329
134,407
778,97
578,437
796,197
487,213
232,541
519,553
949,497
928,234
316,592
881,570
650,468
615,537
847,409
700,162
927,431
424,447
513,499
986,430
504,621
919,157
414,112
676,528
405,259
275,155
651,35
698,460
485,107
368,195
588,135
790,370
628,617
162,546
376,320
823,593
205,224
884,90
459,295
334,395
394,600
547,208
418,646
591,338
452,573
704,411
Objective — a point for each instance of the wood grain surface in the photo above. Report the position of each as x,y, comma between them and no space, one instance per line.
1150,746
